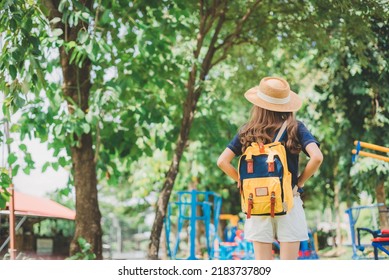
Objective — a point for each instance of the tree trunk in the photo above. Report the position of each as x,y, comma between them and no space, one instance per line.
338,238
76,86
380,195
193,95
88,215
338,234
163,246
208,19
164,196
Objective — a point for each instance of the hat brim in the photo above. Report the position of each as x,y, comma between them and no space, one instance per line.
293,105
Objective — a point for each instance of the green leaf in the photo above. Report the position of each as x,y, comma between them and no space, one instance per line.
82,242
80,114
4,198
19,102
105,47
55,20
65,191
15,170
159,143
17,54
89,117
62,5
12,158
86,128
23,147
27,25
58,129
89,47
12,24
105,18
27,170
55,165
57,32
84,15
5,180
28,159
9,141
14,128
71,45
82,36
45,166
12,71
34,79
34,41
62,161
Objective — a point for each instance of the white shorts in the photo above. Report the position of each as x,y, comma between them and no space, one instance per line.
287,228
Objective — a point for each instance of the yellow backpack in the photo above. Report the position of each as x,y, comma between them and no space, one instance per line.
266,183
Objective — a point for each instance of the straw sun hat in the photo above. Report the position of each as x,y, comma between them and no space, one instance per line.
274,94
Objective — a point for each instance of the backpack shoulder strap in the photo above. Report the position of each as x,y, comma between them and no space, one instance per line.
281,132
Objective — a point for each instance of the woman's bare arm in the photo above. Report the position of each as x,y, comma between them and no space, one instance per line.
224,163
315,160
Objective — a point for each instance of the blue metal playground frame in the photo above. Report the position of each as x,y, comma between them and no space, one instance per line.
186,210
353,214
188,202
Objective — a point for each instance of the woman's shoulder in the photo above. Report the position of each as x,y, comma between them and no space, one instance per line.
301,126
235,145
304,134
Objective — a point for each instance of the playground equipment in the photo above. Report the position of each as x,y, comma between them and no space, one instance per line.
189,202
231,230
233,246
307,249
381,238
193,206
379,242
360,145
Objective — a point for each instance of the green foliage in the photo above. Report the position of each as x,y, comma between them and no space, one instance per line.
51,228
20,54
85,253
5,182
141,53
354,90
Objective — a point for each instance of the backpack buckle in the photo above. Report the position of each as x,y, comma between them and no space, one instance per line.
270,162
270,166
250,166
261,148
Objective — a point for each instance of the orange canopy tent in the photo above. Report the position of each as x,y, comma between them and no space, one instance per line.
28,205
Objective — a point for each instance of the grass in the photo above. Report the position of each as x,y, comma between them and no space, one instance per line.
346,253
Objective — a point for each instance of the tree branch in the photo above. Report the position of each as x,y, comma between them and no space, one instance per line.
212,14
53,8
225,52
201,8
206,22
97,16
206,65
53,12
229,40
97,148
201,35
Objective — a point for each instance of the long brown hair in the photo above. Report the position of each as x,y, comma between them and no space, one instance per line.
262,126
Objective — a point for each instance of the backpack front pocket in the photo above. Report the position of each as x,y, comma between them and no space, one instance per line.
262,196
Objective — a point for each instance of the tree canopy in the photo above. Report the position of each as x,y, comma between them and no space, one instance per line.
139,98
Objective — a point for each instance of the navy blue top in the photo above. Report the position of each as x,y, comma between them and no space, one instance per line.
305,138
